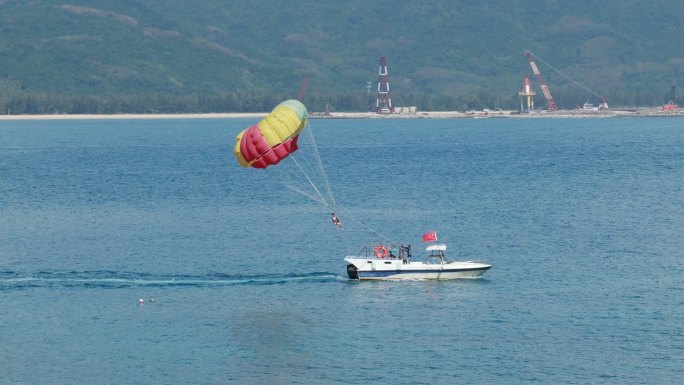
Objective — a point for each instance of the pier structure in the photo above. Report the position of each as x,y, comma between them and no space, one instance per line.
526,94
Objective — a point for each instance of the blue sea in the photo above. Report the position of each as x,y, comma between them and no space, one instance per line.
243,277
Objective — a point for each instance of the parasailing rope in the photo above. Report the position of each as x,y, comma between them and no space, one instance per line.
303,192
319,162
298,181
566,76
295,181
372,230
310,181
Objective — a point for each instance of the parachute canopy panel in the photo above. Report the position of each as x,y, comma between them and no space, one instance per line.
272,139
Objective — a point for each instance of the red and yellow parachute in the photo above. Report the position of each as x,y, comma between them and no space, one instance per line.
273,138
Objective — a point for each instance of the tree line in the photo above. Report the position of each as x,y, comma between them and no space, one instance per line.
40,103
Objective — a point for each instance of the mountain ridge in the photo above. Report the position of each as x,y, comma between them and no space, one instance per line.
442,55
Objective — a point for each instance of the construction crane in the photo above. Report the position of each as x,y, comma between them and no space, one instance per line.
542,84
302,89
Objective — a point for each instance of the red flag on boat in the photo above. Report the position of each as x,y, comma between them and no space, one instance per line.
430,236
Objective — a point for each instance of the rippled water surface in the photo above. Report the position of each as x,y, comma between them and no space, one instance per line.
244,279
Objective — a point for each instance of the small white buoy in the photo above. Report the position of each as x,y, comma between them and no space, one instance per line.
141,301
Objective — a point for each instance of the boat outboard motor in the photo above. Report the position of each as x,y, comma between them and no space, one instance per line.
352,272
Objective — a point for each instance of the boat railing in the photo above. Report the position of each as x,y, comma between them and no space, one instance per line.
382,251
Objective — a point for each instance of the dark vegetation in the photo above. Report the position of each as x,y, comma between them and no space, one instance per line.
149,56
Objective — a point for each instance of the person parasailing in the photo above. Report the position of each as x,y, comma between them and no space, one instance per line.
278,137
336,221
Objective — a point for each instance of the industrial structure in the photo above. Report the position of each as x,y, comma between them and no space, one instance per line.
383,101
542,84
671,105
527,94
550,102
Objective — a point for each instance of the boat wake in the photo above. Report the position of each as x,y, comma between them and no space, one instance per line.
115,280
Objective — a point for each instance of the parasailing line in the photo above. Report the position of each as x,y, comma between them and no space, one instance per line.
567,76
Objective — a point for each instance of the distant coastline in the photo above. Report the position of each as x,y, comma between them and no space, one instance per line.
566,114
132,116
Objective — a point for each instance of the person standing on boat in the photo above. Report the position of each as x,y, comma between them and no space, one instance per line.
406,254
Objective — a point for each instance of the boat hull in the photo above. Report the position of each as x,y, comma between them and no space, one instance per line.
378,269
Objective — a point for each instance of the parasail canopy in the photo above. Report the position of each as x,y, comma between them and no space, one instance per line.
273,138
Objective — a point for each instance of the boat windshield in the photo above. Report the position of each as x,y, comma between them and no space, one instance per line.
434,260
437,258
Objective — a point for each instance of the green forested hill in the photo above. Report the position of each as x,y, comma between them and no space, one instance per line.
239,55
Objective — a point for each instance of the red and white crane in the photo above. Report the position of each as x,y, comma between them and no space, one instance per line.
302,89
542,84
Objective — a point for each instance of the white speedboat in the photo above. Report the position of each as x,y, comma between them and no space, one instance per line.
377,263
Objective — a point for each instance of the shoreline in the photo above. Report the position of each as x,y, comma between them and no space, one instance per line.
562,114
245,115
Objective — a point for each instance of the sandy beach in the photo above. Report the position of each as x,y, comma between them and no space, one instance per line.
133,116
567,114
